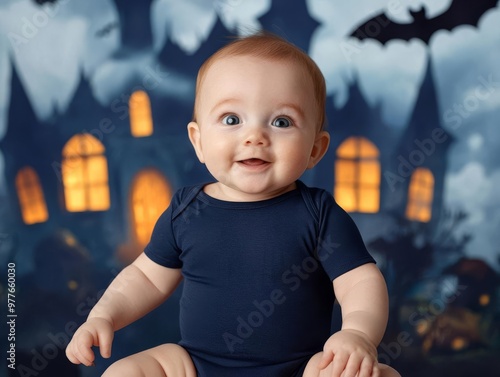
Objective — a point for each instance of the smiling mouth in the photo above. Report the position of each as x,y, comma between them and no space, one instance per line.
253,162
254,165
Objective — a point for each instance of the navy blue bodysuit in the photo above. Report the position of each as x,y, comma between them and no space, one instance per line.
257,296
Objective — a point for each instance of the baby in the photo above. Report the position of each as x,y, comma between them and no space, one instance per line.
262,256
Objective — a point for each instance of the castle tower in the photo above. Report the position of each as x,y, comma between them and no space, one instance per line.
25,145
31,191
356,119
423,147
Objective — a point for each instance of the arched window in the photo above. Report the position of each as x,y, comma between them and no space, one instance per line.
85,174
420,195
31,199
357,176
141,122
150,196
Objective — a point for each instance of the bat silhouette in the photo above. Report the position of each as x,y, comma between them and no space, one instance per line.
41,2
460,12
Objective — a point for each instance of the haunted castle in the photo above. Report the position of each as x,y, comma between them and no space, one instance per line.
105,172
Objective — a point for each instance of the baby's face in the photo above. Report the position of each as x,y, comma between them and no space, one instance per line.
257,125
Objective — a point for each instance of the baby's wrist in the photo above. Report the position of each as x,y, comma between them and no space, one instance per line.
360,333
100,317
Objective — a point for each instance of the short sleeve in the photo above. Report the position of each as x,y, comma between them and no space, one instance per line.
162,248
340,246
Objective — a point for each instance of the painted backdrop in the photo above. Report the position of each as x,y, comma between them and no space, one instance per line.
95,97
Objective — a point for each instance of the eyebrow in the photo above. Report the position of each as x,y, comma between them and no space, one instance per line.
222,103
297,108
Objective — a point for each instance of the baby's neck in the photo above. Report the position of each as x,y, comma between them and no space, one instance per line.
220,191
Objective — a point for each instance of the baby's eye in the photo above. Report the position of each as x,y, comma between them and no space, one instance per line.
231,120
282,122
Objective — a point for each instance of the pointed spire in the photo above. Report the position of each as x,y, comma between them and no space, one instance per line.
173,57
83,112
55,114
23,141
356,103
84,89
21,117
357,117
291,20
135,23
425,117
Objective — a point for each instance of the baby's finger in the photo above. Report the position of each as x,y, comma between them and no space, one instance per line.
339,362
326,359
353,366
83,348
366,368
70,354
105,340
376,370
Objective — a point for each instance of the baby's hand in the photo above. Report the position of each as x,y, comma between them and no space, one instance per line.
351,354
94,332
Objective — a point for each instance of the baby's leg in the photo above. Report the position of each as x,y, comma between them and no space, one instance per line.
313,371
166,360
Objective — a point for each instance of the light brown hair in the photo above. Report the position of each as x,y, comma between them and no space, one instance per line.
272,47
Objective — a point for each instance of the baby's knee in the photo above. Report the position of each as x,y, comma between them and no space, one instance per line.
127,367
312,369
387,371
174,359
166,360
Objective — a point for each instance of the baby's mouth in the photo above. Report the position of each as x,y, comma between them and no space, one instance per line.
253,162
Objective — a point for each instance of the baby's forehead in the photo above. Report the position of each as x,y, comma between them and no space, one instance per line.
222,66
236,60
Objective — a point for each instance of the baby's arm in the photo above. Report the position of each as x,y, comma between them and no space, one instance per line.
138,289
362,295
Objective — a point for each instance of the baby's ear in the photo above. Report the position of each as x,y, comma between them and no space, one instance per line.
319,149
195,138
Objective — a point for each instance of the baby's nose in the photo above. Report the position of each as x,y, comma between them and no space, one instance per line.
256,135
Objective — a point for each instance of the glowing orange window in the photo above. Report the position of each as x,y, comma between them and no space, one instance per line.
357,176
150,196
85,174
420,195
31,199
141,122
